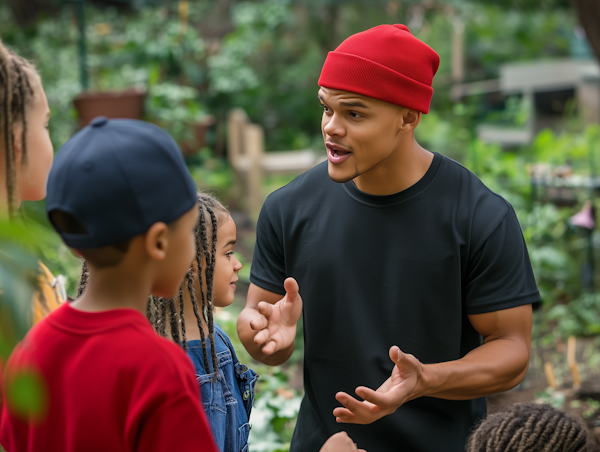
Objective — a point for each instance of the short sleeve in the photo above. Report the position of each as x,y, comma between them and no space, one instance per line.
499,274
268,262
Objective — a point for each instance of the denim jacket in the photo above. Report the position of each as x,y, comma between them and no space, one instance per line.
228,397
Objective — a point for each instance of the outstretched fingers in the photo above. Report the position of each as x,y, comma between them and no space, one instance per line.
354,411
383,400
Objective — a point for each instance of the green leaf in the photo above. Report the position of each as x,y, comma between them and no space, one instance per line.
27,395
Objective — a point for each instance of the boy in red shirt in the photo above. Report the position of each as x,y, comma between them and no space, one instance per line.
112,384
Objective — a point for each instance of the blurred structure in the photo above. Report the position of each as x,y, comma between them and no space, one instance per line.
546,87
250,162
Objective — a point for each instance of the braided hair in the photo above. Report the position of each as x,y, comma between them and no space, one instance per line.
161,311
529,427
16,93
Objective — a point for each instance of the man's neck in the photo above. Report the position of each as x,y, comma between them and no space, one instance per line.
401,170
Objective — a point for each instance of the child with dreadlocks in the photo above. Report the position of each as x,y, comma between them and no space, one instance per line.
530,427
25,156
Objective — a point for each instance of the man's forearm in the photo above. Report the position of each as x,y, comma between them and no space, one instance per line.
247,334
495,366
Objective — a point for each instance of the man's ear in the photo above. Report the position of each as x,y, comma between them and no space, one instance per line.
17,139
157,241
410,119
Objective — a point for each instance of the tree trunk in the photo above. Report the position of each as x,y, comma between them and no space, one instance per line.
588,12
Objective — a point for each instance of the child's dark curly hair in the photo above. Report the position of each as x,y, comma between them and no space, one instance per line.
529,427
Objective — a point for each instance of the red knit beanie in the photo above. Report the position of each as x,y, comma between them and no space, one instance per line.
385,62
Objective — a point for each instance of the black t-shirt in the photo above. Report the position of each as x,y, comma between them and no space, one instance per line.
377,271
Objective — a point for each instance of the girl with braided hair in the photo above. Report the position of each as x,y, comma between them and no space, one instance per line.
226,385
529,427
26,156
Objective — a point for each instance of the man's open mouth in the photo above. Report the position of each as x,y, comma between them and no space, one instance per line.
336,154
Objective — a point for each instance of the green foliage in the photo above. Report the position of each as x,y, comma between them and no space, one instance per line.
593,406
580,317
176,108
27,395
551,397
19,271
274,414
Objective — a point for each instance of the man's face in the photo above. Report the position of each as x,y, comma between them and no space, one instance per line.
360,132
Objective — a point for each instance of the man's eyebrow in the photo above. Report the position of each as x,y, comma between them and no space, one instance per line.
346,104
353,104
231,242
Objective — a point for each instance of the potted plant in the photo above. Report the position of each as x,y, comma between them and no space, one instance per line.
176,109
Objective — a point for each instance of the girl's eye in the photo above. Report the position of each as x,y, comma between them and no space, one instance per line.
229,254
325,107
355,115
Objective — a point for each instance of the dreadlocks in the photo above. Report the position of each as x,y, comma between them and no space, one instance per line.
16,93
212,212
161,311
529,427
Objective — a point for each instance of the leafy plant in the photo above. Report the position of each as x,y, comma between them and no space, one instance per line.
19,271
551,397
580,317
274,414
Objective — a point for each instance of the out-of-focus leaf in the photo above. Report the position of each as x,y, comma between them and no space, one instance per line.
26,395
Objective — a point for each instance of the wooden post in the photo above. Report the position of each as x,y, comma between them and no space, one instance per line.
458,51
254,141
571,347
235,135
184,9
550,375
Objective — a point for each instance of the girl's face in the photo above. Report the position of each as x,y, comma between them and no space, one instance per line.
32,177
226,264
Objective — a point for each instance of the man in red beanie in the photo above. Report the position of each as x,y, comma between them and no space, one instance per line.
415,276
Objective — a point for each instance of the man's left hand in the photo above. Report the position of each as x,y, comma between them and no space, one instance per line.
391,395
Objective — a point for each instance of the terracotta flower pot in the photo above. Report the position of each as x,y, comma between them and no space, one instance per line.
201,128
112,104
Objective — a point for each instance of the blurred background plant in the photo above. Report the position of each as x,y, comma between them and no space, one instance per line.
197,60
20,251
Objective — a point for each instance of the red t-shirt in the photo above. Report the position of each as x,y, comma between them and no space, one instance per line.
112,384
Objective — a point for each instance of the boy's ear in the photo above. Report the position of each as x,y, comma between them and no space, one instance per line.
157,241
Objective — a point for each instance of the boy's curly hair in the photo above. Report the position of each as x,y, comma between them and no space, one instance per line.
529,427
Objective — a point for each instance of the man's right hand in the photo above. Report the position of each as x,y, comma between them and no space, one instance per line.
340,442
276,326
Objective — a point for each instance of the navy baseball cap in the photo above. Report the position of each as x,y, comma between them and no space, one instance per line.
118,177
